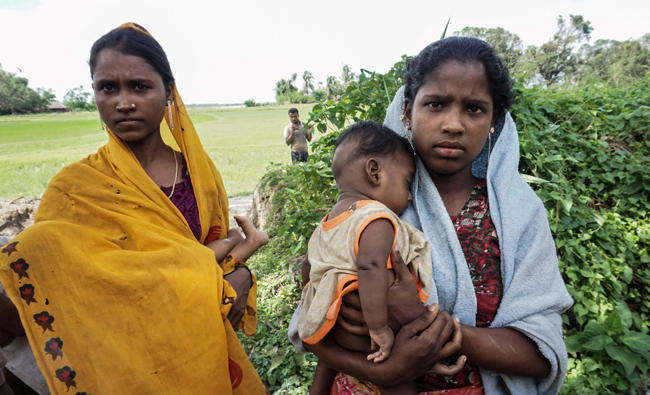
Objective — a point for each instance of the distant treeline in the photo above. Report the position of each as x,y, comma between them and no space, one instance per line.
566,59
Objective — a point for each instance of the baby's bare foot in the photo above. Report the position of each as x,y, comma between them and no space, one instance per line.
253,235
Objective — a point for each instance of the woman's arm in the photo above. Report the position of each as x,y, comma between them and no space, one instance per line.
241,281
419,344
10,326
503,350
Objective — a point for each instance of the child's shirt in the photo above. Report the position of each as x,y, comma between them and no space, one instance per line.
332,252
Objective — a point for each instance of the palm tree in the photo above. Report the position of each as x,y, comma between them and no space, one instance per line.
308,79
347,75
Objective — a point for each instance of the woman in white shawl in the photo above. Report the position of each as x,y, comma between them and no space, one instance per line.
494,260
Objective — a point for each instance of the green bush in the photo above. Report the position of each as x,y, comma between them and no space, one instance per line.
294,97
250,103
585,151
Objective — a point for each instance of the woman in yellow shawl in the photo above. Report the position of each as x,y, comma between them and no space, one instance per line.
113,283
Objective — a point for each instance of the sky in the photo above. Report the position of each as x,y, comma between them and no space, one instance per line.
230,51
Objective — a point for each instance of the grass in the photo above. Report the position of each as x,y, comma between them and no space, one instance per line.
242,142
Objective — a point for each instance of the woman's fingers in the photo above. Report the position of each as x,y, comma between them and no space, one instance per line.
448,370
353,300
401,271
355,329
421,323
404,305
352,314
453,346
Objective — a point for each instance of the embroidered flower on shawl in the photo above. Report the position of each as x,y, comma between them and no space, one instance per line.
66,374
44,320
53,347
20,267
27,293
11,247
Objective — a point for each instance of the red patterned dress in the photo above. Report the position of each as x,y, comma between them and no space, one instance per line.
478,239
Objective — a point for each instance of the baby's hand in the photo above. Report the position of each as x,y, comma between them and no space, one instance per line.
381,340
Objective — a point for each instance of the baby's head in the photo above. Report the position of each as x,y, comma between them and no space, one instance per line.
372,160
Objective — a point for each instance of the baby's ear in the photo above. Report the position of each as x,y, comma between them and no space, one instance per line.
373,168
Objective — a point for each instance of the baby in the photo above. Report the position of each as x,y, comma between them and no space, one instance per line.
373,168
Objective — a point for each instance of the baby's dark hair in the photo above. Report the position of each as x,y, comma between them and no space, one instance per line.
372,138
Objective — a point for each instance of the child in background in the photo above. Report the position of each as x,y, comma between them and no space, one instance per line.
350,249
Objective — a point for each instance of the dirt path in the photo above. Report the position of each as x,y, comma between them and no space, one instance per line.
16,214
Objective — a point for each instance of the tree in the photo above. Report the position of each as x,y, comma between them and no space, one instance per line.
308,80
347,75
611,60
333,88
285,87
558,58
16,97
507,45
78,100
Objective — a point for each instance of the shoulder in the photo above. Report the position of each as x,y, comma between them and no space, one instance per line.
372,210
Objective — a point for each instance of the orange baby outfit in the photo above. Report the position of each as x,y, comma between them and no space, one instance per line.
332,252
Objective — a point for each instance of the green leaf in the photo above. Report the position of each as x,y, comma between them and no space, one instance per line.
444,32
597,343
624,356
532,179
625,314
613,323
574,343
637,341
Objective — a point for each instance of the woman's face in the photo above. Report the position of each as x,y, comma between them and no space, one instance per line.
450,117
130,95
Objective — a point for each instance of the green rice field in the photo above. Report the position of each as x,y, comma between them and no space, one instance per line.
242,142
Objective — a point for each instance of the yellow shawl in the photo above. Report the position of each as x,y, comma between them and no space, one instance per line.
114,291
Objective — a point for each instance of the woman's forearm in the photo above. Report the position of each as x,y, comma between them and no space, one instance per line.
503,350
350,362
9,320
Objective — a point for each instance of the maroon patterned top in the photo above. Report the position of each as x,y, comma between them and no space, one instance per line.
185,201
478,239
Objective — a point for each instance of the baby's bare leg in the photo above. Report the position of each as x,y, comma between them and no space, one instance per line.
255,238
223,247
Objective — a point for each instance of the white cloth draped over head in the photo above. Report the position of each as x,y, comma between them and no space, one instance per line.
534,294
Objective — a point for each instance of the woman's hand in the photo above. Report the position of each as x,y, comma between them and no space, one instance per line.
240,279
425,337
403,303
418,346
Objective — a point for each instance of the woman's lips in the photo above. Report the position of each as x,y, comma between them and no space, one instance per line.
128,123
448,151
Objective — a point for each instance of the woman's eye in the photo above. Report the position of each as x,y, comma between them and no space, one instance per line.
140,87
435,105
108,88
475,109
